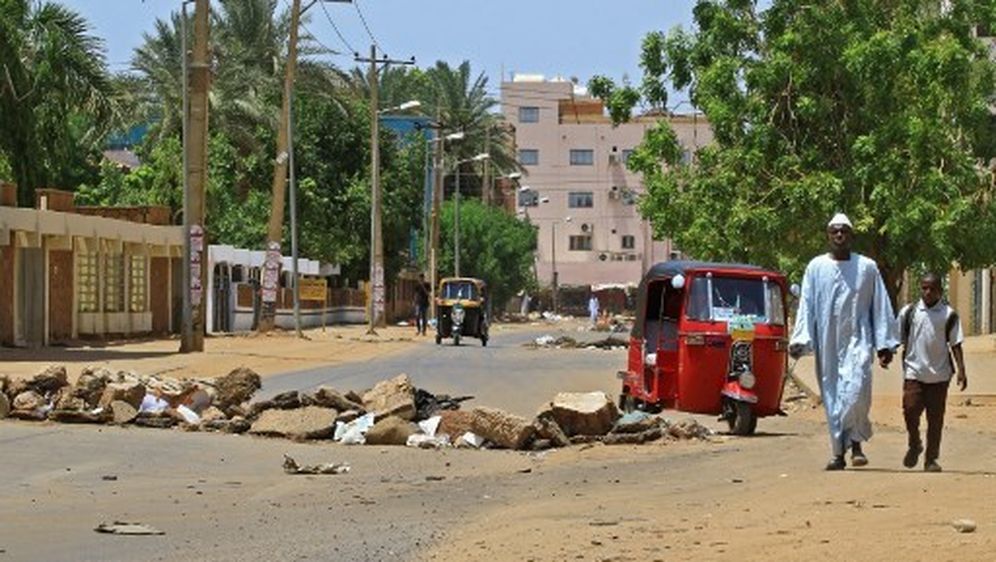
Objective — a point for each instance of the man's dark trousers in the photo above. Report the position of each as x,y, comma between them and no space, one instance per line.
917,397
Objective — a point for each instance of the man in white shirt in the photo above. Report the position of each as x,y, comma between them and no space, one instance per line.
931,333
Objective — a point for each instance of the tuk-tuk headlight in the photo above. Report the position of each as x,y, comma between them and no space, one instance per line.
747,380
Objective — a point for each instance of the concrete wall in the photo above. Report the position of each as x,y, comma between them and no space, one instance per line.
7,290
60,296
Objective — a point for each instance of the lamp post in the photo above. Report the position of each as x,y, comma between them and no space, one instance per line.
456,216
554,279
439,144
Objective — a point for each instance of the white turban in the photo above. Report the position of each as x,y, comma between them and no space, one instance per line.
840,219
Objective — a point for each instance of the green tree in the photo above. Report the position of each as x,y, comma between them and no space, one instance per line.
494,246
55,95
877,109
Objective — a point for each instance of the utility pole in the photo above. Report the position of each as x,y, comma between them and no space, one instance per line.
195,176
486,191
434,219
376,318
274,232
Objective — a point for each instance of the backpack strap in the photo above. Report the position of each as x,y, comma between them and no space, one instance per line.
907,323
950,323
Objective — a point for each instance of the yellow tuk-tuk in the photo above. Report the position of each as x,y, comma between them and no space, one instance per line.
462,310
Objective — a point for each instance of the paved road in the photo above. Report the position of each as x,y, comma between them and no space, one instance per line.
505,374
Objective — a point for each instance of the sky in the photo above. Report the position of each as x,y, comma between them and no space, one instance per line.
579,38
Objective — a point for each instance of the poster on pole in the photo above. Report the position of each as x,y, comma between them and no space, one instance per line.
377,290
196,250
271,273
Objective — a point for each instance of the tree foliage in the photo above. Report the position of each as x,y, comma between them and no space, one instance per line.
878,109
56,97
494,246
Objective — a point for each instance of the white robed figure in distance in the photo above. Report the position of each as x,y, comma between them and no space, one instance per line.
844,318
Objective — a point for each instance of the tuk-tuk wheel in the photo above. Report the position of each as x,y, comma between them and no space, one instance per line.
741,418
439,339
627,403
484,341
456,339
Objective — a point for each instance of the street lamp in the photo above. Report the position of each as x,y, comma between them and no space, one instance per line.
456,217
553,259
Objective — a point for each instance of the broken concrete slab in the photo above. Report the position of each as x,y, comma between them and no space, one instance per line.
348,416
501,428
236,387
391,430
4,405
77,416
122,412
582,413
394,397
90,385
131,392
310,422
211,413
50,379
549,430
455,423
28,401
328,397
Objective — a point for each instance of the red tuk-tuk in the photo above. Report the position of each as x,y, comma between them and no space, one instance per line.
709,338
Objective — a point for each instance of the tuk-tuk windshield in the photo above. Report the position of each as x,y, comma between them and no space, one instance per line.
718,298
460,290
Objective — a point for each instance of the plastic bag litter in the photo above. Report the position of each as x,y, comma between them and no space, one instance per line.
430,426
470,439
188,415
153,404
426,442
545,340
353,433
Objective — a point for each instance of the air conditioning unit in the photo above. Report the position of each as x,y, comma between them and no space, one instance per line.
587,227
614,159
603,257
614,192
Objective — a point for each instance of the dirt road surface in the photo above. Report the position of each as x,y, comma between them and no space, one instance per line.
224,497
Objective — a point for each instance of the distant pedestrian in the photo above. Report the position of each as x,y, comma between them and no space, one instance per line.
422,292
930,331
593,309
844,317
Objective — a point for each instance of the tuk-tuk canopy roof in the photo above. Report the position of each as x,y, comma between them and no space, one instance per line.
474,280
674,267
668,269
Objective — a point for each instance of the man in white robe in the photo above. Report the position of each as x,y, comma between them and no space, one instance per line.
844,317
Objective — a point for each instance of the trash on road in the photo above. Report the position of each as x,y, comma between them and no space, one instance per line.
123,528
291,467
963,525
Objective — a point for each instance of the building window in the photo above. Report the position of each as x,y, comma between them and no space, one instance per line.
983,31
628,242
86,282
137,283
529,157
113,283
581,243
528,115
625,155
580,199
582,157
686,157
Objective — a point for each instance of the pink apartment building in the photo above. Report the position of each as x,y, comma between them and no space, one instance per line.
580,194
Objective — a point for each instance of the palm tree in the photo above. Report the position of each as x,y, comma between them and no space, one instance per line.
463,104
56,94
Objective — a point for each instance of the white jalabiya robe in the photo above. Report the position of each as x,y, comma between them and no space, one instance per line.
845,317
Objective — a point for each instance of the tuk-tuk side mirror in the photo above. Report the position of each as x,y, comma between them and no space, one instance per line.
678,281
795,290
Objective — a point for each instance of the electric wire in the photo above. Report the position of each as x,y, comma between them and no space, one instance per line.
336,29
356,4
